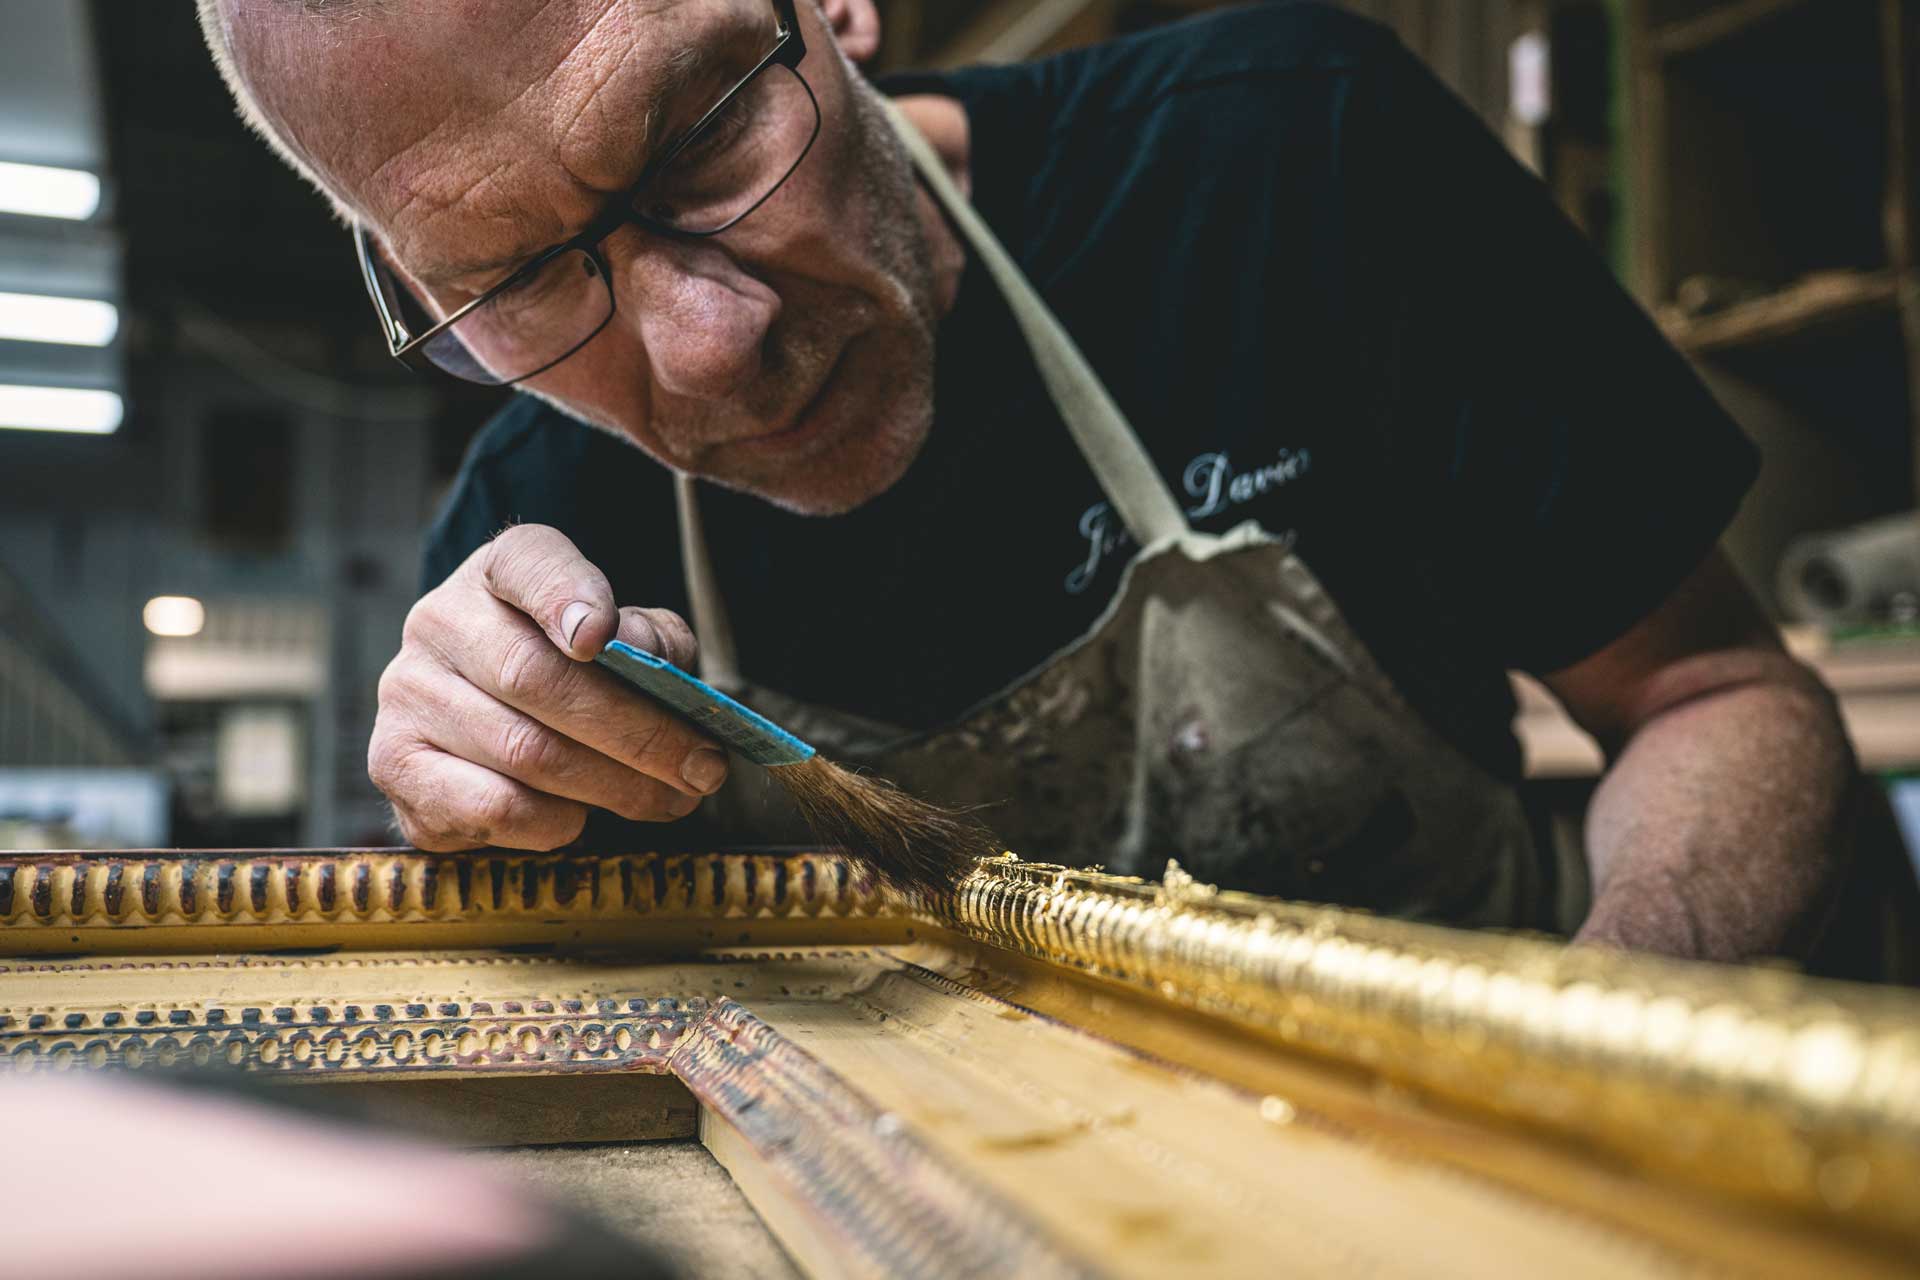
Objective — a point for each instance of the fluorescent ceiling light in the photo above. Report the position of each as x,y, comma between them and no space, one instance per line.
59,409
82,322
174,616
48,193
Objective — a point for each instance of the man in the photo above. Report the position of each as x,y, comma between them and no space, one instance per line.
1323,296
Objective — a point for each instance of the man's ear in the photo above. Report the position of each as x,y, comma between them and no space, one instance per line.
856,26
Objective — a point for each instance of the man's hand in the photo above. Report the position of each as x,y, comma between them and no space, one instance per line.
495,726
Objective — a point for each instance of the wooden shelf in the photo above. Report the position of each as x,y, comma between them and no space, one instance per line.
1826,302
1670,39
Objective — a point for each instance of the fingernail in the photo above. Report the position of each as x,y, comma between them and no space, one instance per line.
577,612
703,769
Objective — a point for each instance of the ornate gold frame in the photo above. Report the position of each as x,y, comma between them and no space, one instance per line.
1647,1115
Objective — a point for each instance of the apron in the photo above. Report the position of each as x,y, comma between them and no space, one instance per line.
1220,712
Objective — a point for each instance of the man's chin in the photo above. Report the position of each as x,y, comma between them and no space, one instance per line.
846,475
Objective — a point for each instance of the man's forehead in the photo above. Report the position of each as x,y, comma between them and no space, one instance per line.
427,113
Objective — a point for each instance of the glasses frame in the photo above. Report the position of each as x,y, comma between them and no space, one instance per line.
410,348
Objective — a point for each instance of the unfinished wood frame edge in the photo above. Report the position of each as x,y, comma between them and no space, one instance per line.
843,1184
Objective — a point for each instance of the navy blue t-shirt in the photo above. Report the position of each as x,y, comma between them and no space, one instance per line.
1327,299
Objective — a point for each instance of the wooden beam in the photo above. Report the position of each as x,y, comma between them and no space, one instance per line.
1722,22
1014,30
1824,303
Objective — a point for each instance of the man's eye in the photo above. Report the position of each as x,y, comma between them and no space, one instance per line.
721,133
527,289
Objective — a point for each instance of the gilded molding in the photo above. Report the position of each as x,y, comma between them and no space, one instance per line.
382,1014
1760,1082
333,887
508,1037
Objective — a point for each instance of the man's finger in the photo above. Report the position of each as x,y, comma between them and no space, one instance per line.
539,571
665,634
504,655
662,633
458,718
453,804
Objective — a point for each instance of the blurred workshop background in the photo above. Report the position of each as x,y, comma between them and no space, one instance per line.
213,480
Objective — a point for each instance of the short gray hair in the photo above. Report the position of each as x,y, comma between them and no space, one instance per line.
215,29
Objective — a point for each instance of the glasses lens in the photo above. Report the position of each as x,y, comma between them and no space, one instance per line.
537,322
727,169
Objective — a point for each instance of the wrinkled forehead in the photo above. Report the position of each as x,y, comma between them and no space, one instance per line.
422,111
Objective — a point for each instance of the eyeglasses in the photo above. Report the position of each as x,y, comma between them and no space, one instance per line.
716,173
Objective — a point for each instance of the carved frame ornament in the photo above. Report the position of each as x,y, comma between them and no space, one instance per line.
1773,1090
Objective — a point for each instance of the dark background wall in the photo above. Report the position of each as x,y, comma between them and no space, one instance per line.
274,463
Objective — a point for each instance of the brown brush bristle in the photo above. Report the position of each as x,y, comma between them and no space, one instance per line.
914,844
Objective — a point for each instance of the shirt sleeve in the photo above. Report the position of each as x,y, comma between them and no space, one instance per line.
1563,467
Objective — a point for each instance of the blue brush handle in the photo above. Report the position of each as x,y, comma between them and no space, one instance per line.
742,728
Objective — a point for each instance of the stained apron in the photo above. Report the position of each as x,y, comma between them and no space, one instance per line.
1220,712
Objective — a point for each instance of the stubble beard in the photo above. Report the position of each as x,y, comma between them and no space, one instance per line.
897,398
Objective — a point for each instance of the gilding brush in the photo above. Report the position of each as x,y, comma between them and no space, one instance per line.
914,844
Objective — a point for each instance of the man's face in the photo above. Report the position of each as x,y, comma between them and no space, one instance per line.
790,357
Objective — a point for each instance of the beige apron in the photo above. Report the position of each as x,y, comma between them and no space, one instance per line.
1220,712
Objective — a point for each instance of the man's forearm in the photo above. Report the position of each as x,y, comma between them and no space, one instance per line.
1722,827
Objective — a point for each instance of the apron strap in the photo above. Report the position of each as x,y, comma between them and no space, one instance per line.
719,663
1114,453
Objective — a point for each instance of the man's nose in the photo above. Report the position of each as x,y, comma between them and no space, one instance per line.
702,320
